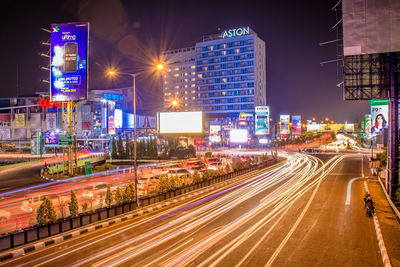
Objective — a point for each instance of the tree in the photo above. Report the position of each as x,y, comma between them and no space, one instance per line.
109,196
196,178
46,212
121,150
228,168
113,148
175,182
119,197
128,148
84,207
163,184
73,205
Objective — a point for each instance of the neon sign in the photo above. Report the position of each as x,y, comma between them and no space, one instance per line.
46,103
236,32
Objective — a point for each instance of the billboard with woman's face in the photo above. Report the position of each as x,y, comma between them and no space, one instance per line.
379,115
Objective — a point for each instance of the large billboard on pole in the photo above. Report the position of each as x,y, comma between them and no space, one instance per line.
296,124
69,61
180,122
262,120
284,124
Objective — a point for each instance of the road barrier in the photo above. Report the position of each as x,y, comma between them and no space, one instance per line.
37,232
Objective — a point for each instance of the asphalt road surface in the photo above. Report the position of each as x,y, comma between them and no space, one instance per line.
290,214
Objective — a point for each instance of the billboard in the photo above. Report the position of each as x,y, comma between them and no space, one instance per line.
36,120
180,122
130,124
284,124
379,115
146,122
111,117
118,118
296,124
215,133
50,138
69,61
262,120
238,135
5,134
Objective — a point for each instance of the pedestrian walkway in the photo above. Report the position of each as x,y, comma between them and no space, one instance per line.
388,221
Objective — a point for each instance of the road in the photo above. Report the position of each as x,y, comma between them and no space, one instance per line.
290,214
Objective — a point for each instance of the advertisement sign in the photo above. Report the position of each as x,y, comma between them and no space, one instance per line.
5,134
20,120
262,120
180,122
4,119
367,123
69,61
238,135
111,117
284,124
130,124
215,133
51,121
50,138
146,122
379,115
36,120
118,118
296,124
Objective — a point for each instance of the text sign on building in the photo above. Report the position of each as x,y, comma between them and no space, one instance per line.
262,120
69,61
117,97
236,32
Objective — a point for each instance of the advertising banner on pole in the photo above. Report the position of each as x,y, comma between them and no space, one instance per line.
367,123
284,124
20,120
262,120
5,134
51,119
50,138
69,61
36,120
379,115
111,117
296,123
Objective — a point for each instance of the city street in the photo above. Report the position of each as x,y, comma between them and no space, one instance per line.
289,214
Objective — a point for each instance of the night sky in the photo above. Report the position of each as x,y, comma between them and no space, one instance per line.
130,35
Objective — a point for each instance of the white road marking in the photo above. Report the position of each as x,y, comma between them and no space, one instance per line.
349,190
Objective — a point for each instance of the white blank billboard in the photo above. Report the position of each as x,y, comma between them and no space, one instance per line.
238,135
180,122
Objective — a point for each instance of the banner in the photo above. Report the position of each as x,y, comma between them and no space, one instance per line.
284,124
379,115
262,120
5,134
367,123
111,117
36,120
20,133
51,121
20,120
50,138
296,124
146,122
69,61
35,131
4,119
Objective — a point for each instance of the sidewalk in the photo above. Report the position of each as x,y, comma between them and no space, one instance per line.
389,224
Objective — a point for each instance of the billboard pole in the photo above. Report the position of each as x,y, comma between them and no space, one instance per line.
69,132
76,137
393,150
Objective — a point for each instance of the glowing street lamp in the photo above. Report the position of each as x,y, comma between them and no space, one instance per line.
160,66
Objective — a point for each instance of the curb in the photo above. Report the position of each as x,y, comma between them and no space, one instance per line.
74,233
379,236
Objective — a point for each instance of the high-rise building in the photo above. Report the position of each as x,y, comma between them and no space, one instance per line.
230,77
179,79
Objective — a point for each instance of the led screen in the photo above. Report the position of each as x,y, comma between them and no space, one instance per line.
69,60
262,120
118,118
180,122
238,135
284,123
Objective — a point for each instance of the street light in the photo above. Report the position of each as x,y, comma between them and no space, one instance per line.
174,103
133,75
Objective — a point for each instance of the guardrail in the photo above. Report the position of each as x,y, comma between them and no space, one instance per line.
392,205
37,232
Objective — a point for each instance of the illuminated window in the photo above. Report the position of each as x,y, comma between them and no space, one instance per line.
224,45
176,75
224,53
169,70
211,48
193,92
186,73
176,69
193,97
223,93
224,80
165,82
193,85
193,67
205,68
186,98
237,51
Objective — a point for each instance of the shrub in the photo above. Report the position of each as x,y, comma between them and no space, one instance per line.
84,207
46,212
99,168
119,197
129,194
398,196
108,166
109,197
196,178
208,154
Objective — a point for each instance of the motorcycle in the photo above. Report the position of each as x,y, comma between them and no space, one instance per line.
369,209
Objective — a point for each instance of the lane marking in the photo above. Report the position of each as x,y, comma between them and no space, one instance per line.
379,236
349,190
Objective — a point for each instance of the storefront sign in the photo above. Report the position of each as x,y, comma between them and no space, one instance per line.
236,32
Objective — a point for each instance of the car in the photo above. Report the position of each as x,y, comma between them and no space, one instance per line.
4,216
178,172
214,166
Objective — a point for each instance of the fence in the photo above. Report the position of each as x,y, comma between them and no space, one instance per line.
37,232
